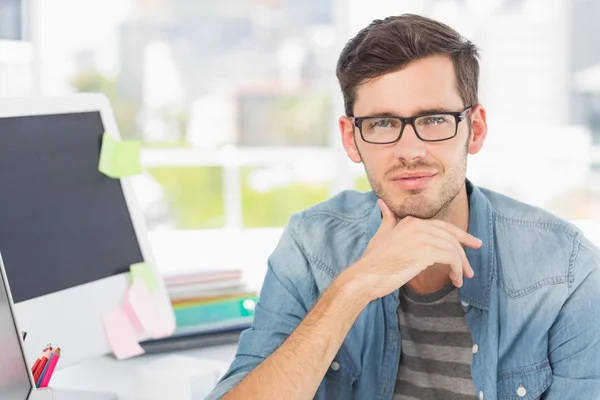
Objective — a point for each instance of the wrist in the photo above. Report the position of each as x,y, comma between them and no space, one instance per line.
353,286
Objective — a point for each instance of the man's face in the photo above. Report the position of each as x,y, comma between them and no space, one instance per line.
422,86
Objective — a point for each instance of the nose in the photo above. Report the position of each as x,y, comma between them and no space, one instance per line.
410,147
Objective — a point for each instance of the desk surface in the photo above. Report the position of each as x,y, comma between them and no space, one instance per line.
106,374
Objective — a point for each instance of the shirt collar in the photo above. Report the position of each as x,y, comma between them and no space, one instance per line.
475,291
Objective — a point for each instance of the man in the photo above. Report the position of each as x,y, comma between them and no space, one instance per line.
385,295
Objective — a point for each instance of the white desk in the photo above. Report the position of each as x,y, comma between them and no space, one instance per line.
106,374
177,252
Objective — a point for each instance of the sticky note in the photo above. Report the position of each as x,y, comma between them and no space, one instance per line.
154,310
119,158
133,318
144,272
121,336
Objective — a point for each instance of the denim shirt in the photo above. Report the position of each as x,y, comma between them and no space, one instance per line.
533,306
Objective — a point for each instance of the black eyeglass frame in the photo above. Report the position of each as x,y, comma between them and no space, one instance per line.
458,116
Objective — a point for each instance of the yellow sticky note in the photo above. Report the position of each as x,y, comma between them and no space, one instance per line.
144,272
119,158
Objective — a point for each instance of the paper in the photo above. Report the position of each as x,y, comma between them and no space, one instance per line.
133,318
121,336
144,272
119,158
153,310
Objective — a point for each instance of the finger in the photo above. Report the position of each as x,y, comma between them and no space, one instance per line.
450,255
463,237
467,269
446,240
388,218
456,272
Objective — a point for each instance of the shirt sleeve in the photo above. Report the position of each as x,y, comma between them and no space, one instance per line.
284,300
574,339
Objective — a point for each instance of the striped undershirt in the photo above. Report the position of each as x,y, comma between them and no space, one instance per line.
435,363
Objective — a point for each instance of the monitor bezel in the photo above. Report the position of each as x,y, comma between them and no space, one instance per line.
34,314
11,308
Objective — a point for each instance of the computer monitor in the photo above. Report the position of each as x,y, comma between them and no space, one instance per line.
68,233
16,381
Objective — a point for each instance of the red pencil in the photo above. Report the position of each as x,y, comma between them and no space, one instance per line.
38,360
51,368
42,364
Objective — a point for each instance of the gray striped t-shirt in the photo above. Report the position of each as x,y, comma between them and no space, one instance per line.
435,363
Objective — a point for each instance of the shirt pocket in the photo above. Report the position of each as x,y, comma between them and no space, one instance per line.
527,383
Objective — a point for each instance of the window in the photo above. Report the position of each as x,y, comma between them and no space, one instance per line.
236,100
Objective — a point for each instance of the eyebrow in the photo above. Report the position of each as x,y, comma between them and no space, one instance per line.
387,113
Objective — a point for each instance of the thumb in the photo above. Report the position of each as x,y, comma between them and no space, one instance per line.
388,218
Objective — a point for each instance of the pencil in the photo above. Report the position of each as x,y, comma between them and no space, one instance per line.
42,364
52,366
37,362
39,381
39,359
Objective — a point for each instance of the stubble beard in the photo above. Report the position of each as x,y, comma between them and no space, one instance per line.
423,203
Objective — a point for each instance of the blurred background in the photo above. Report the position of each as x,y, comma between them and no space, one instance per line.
236,104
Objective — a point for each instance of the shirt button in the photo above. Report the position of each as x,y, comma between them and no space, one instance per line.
475,348
335,366
480,395
521,391
464,303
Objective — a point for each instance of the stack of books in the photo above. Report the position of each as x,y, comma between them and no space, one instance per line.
210,300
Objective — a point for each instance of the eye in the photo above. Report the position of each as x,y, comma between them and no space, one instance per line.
382,123
433,120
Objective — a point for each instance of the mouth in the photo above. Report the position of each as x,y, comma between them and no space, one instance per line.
414,181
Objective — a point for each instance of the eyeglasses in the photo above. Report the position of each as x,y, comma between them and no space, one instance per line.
429,127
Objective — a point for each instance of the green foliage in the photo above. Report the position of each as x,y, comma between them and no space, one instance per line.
195,194
362,184
302,119
125,110
91,81
274,207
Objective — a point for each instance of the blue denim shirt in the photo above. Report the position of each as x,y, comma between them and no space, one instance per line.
533,306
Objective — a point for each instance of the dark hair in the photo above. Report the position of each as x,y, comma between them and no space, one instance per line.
391,44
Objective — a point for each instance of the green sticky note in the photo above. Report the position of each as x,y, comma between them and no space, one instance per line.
119,158
144,272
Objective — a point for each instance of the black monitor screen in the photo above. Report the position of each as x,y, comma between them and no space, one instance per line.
62,222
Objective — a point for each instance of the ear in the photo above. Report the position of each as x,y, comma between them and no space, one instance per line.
478,129
347,130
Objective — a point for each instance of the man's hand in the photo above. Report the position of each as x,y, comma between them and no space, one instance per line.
398,252
401,250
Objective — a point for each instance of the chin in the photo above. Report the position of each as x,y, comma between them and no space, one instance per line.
414,203
422,212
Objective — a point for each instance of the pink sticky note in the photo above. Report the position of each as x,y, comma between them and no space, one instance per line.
153,310
121,336
136,324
